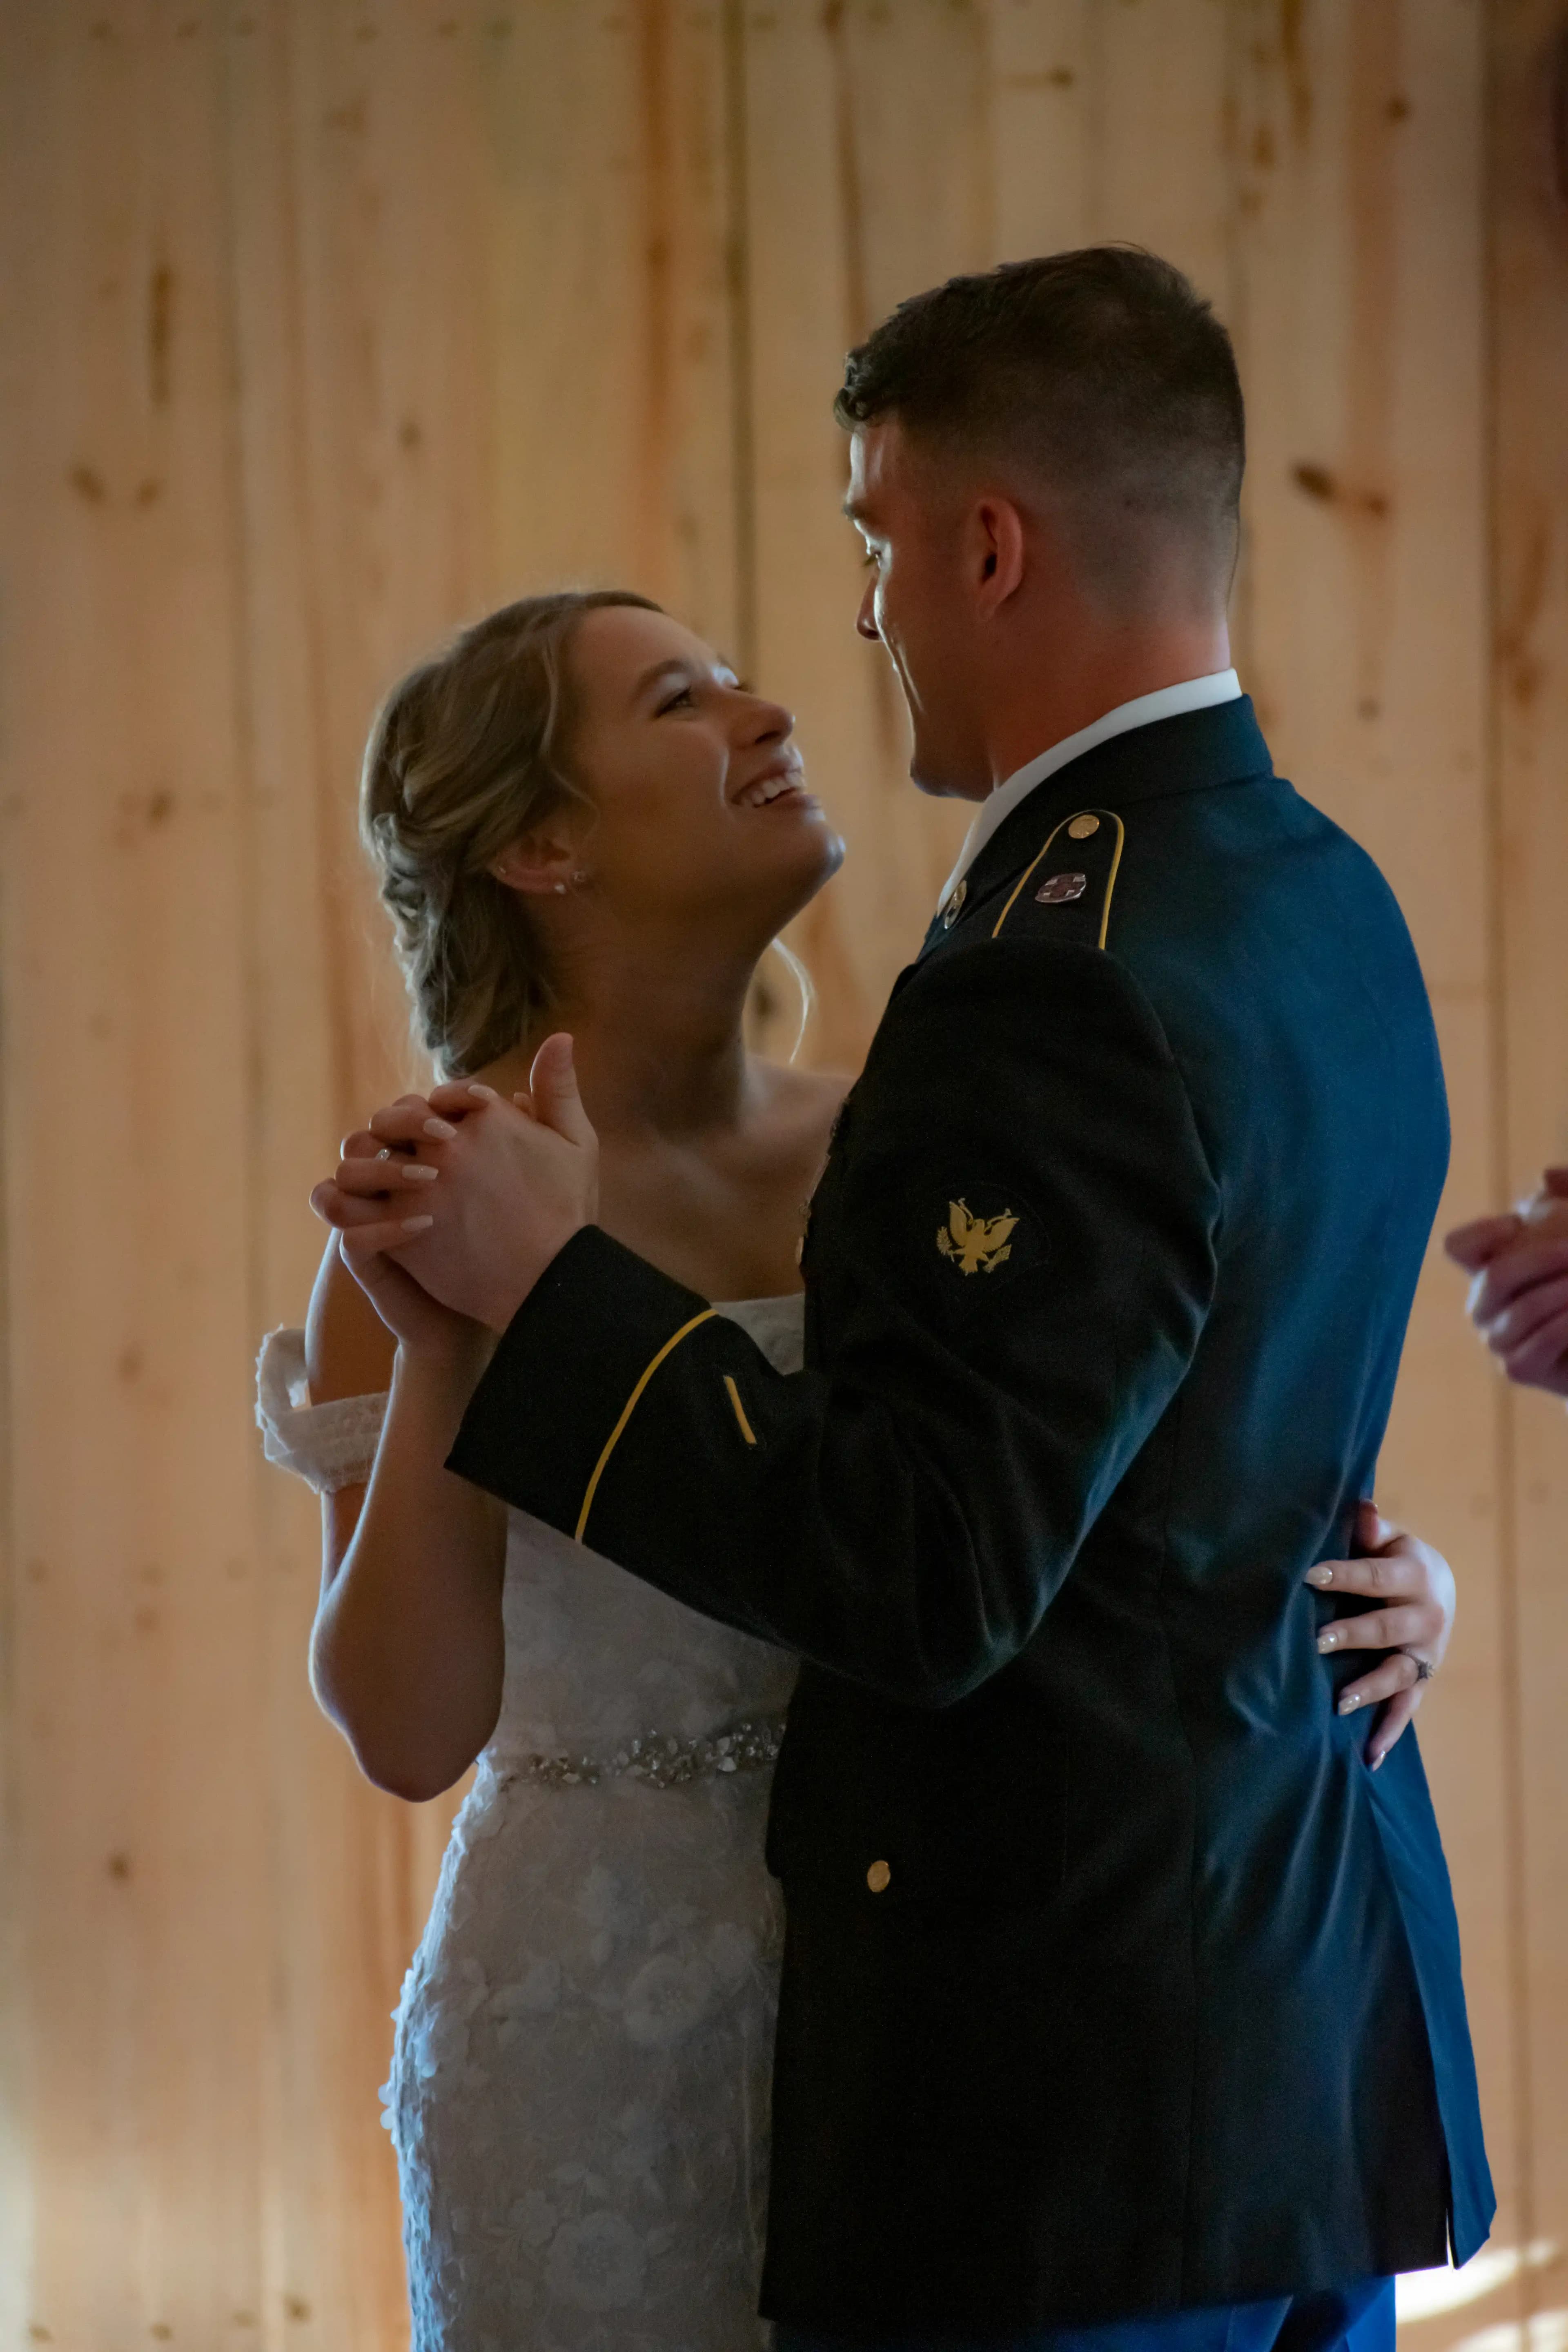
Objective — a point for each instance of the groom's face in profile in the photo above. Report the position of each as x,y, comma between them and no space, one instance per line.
912,524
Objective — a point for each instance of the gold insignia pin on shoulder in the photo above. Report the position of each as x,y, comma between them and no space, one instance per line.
1104,828
976,1245
954,907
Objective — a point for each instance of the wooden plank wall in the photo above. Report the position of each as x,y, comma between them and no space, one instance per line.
329,323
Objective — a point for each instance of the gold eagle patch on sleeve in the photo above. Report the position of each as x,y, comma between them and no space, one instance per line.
976,1245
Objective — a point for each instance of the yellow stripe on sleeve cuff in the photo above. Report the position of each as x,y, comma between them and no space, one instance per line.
628,1408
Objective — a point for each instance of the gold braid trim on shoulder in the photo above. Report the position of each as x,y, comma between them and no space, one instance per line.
1040,859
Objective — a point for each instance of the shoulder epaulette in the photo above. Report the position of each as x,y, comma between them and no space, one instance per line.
1065,892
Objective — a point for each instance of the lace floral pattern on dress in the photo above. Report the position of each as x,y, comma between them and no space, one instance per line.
579,2088
581,2068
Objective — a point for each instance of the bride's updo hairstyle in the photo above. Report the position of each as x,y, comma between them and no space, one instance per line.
469,752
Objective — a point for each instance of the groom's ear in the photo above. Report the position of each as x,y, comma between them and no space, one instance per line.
996,551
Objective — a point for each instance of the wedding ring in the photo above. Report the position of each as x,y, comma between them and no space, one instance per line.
1424,1669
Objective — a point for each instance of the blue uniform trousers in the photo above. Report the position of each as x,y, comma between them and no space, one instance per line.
1358,2318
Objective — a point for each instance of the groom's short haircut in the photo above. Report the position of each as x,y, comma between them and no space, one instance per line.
1102,371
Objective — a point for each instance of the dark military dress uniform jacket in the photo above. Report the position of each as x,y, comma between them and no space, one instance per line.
1114,1980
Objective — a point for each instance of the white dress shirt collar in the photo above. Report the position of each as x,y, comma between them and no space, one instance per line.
1165,702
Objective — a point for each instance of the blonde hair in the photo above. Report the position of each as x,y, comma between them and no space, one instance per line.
469,753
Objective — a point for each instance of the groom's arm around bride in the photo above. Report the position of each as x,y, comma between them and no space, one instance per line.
1115,1984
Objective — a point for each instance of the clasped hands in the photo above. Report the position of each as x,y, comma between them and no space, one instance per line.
453,1204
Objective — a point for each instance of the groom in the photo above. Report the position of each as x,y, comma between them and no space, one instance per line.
1121,2002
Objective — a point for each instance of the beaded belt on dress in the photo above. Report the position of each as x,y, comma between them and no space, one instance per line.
748,1746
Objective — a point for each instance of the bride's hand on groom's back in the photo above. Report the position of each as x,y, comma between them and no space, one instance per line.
1414,1587
476,1195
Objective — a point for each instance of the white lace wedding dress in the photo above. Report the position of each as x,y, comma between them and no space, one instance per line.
580,2075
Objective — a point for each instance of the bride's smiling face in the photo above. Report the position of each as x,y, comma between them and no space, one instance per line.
698,796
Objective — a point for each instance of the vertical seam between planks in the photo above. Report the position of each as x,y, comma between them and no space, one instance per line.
889,719
1238,322
1505,1449
737,289
241,655
243,691
851,184
18,2237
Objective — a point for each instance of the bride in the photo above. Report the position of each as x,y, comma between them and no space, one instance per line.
581,820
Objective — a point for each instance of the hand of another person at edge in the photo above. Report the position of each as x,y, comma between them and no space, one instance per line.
510,1184
1519,1298
1415,1586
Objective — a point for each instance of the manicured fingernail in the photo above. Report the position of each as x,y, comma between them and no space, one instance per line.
415,1172
1347,1706
1377,1762
1320,1575
1330,1641
440,1128
484,1094
416,1224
